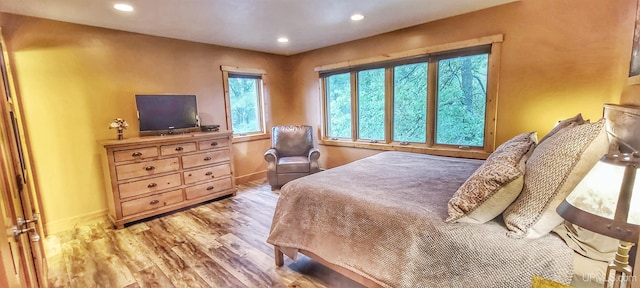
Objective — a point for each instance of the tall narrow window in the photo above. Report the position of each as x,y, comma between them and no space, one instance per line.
410,103
462,91
371,92
244,99
338,89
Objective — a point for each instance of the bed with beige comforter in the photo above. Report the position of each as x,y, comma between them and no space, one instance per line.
382,217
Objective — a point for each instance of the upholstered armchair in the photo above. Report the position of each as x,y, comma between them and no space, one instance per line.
292,154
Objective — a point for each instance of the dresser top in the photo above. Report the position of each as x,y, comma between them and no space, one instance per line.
193,136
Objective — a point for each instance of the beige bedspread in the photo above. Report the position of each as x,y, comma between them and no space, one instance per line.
383,217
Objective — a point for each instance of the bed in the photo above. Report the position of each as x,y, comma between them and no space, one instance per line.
387,220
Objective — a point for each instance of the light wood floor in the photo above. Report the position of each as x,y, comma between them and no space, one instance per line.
217,244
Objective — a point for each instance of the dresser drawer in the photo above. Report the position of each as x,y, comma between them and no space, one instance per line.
149,185
208,188
177,148
135,154
134,170
207,173
213,144
201,159
151,202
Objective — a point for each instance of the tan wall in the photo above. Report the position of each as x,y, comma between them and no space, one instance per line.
558,58
73,80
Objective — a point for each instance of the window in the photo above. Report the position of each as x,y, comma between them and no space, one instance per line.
338,89
410,103
462,94
244,101
371,95
434,101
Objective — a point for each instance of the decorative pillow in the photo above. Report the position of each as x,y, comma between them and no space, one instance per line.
563,124
553,170
586,243
495,184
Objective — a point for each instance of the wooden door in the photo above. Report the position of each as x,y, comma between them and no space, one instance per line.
22,252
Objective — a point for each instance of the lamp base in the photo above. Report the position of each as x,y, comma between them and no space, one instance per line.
620,267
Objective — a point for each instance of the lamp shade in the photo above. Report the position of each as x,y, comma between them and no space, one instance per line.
607,200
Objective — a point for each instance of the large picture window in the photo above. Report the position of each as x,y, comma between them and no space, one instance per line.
435,101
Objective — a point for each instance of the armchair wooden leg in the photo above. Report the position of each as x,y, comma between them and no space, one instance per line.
279,256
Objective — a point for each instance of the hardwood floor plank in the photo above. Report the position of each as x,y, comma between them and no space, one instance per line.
159,243
244,268
262,261
152,276
112,269
216,244
215,274
243,226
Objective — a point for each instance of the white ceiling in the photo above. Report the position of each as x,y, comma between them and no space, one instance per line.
252,24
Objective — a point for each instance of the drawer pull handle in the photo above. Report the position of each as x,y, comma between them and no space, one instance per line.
214,144
210,188
136,154
179,148
149,168
209,173
154,202
151,185
207,158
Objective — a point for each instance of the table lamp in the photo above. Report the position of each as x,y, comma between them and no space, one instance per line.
607,201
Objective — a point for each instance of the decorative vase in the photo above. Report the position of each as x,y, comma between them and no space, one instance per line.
120,133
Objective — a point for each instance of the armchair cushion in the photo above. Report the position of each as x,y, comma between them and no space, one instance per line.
293,164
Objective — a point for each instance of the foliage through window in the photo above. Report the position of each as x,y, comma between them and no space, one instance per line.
245,101
410,103
338,89
371,104
462,92
390,100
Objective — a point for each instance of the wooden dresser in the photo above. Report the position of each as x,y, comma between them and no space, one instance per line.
158,174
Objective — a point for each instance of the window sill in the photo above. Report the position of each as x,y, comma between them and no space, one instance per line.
252,137
415,148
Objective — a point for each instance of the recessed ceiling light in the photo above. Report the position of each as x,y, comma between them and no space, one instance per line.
123,7
283,40
357,17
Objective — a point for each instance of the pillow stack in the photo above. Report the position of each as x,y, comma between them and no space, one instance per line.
525,181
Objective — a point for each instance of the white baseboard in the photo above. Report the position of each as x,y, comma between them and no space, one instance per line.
251,177
63,225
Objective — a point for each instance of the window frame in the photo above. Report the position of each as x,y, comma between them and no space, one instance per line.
461,48
230,71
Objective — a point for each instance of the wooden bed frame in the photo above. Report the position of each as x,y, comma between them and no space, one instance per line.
279,257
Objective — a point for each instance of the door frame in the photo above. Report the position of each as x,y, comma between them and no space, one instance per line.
20,183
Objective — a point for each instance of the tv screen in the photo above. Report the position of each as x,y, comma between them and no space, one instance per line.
166,112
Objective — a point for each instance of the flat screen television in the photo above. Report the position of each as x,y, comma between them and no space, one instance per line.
166,114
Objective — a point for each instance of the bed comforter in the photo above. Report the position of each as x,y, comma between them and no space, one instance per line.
383,217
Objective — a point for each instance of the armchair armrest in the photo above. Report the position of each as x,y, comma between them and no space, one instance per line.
271,155
314,155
